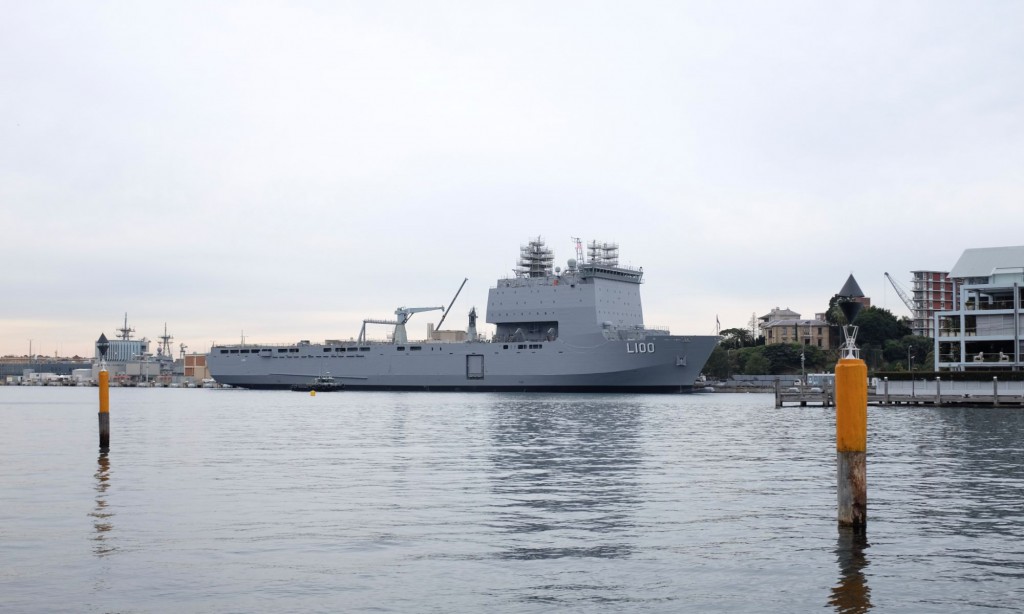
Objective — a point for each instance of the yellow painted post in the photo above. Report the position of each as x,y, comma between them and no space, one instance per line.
104,409
851,441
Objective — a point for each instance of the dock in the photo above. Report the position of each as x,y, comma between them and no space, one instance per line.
940,392
933,392
803,395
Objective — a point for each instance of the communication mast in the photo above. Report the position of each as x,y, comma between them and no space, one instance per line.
165,342
125,332
578,243
606,254
535,259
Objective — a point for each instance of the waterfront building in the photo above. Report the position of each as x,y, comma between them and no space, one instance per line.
933,292
195,370
983,330
785,326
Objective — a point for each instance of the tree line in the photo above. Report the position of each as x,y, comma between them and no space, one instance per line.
886,343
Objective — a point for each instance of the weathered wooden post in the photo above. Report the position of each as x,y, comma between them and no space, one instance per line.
778,394
938,390
886,380
995,391
851,418
104,384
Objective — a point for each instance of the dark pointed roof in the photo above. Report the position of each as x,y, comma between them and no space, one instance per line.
851,289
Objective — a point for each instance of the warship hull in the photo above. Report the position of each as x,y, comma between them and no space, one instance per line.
665,364
576,330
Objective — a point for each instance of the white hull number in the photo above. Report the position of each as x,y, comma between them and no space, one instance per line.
636,347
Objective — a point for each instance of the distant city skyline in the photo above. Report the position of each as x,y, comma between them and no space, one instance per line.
288,169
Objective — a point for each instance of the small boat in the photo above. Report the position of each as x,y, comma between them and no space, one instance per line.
322,383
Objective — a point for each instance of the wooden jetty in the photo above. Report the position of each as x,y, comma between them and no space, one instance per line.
803,395
934,392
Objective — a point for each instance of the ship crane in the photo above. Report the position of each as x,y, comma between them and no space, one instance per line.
403,313
909,302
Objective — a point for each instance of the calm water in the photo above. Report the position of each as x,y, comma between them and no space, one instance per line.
238,501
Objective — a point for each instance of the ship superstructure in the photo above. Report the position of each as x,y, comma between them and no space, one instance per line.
577,329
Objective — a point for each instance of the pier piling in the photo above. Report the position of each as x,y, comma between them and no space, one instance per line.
851,441
104,410
104,384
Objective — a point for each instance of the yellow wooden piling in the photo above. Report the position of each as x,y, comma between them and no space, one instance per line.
851,440
104,409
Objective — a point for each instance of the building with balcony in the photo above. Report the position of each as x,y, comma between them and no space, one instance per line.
983,330
933,292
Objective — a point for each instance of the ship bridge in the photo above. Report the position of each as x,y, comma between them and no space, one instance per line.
543,302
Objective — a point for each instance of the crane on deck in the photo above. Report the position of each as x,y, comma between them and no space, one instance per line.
901,291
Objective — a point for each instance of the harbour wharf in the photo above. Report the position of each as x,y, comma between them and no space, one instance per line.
935,392
803,395
939,392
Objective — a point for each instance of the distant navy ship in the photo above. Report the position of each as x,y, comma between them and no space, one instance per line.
576,330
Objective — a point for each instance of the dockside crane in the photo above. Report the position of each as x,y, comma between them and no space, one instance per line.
909,302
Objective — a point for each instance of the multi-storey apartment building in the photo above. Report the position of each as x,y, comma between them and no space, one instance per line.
933,292
983,330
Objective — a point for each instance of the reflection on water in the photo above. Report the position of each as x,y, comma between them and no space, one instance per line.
851,594
102,517
567,474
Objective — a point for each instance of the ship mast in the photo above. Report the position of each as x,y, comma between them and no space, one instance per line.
165,342
535,259
126,332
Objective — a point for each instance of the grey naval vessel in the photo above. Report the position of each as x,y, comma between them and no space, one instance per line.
575,330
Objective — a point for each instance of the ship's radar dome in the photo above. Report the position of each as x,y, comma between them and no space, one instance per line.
572,264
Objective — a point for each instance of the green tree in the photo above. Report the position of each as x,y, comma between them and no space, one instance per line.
877,325
735,338
783,357
756,364
718,366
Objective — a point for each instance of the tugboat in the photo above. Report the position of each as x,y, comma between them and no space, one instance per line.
321,383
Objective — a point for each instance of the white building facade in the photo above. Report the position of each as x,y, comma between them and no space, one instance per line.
983,330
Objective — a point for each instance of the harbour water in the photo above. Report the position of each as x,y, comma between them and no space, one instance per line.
243,501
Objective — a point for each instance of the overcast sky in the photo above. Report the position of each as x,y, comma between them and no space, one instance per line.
287,169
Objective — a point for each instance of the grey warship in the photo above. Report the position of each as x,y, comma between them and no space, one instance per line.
580,329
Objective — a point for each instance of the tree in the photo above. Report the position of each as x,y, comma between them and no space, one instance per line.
877,325
756,364
718,366
734,338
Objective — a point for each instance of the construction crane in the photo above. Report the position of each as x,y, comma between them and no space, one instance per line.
909,302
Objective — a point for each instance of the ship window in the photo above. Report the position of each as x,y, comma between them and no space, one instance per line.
400,348
234,351
521,346
223,351
415,347
535,346
327,349
504,347
293,350
352,349
282,350
364,349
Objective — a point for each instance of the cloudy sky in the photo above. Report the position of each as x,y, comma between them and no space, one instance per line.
287,169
